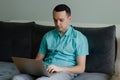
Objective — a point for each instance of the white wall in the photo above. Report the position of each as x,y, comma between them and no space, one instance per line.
83,11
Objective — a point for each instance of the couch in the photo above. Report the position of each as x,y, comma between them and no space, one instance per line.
23,40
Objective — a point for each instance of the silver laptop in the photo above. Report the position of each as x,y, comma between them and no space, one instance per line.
30,66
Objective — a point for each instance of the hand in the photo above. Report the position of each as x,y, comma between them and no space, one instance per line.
53,69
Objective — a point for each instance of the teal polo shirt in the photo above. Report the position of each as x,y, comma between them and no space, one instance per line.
63,50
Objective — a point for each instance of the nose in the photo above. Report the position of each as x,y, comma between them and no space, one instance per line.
57,23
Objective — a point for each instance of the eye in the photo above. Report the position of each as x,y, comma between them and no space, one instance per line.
55,20
61,20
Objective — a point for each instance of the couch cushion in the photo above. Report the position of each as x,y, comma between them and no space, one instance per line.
7,70
15,40
101,48
93,76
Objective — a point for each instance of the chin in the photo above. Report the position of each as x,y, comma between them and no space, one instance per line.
59,29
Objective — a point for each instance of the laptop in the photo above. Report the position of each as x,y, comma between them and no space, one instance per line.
30,66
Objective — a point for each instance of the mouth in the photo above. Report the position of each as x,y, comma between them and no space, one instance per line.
58,28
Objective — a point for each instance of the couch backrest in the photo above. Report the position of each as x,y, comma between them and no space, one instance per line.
15,40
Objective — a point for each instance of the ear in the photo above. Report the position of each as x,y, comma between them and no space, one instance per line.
70,17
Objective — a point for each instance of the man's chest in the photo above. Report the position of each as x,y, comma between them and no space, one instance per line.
62,44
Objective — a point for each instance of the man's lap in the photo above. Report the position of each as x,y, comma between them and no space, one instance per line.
56,76
65,76
60,76
22,77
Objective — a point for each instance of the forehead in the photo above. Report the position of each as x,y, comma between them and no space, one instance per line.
60,14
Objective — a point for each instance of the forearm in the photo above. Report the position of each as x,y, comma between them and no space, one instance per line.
79,68
39,57
74,69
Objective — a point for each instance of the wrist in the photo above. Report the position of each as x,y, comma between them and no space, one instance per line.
64,69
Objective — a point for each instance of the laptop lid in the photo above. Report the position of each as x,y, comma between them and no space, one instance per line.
30,66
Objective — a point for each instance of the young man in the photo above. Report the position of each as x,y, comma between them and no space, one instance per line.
63,49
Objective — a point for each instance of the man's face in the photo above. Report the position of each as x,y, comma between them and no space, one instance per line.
61,20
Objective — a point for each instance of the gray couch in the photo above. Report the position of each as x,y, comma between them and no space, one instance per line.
23,40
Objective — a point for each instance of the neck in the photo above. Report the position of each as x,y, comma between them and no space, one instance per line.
63,32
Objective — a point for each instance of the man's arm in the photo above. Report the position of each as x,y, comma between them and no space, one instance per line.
79,68
39,56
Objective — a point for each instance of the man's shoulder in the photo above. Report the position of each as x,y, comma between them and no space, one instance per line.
50,33
77,33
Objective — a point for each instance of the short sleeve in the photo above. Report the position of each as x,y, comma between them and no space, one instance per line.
82,46
43,46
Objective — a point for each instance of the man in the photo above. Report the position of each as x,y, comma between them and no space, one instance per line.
63,49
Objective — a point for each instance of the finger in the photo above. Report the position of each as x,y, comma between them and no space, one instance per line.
49,69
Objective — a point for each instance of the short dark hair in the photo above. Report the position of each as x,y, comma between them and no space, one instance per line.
63,7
